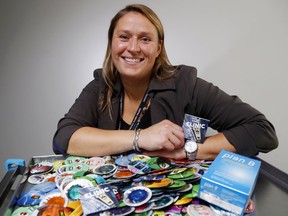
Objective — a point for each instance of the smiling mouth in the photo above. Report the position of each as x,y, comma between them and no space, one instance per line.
133,60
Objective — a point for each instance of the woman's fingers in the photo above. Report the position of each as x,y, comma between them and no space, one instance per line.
162,136
174,133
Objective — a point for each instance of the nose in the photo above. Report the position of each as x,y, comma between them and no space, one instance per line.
133,45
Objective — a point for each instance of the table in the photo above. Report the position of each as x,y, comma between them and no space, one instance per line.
271,191
270,194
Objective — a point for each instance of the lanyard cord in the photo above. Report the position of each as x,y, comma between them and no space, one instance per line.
143,107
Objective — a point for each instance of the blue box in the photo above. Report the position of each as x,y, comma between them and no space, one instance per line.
229,182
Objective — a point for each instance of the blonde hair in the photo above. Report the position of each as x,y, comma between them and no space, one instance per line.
162,68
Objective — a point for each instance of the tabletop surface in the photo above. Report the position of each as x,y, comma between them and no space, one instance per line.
270,193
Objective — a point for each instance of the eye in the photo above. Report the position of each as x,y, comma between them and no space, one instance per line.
145,39
123,37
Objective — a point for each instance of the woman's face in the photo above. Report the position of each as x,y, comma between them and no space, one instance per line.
135,46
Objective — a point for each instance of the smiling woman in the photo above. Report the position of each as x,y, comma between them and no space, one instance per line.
138,101
135,47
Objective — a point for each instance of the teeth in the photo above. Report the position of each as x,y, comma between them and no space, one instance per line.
133,60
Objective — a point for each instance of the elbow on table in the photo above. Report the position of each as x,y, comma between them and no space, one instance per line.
269,143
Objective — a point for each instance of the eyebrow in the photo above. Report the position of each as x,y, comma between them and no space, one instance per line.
138,33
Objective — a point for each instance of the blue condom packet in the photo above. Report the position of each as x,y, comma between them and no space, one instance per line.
195,128
99,198
35,194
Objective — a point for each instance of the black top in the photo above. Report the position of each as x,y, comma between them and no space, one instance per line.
144,123
247,129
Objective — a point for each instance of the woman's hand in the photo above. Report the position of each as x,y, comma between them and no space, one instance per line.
174,150
163,136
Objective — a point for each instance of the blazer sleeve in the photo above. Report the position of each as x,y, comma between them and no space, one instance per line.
246,128
84,112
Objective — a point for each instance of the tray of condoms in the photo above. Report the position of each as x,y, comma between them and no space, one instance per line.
131,184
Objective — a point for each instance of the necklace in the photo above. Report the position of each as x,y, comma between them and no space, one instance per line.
143,107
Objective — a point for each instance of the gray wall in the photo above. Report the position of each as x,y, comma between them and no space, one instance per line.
49,49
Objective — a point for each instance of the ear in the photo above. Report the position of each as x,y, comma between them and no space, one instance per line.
159,48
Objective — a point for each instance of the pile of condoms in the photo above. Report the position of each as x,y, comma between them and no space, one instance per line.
115,185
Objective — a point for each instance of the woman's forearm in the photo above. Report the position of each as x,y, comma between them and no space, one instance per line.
88,141
212,146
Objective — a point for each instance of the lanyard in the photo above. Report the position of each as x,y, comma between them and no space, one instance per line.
144,105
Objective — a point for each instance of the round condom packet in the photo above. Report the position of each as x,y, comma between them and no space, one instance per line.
124,174
183,201
177,170
184,174
186,188
95,161
137,196
73,167
222,212
144,208
140,157
24,211
61,177
149,177
176,184
198,209
163,203
159,163
105,169
57,164
30,198
125,210
54,198
156,198
40,168
45,187
122,161
138,167
36,179
158,184
72,189
74,159
97,178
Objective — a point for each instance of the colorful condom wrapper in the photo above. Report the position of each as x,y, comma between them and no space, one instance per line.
99,198
195,128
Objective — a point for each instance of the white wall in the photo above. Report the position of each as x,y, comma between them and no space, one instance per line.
49,49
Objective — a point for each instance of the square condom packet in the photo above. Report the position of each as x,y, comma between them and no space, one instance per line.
195,128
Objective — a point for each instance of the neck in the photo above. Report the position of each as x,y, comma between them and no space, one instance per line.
135,91
133,95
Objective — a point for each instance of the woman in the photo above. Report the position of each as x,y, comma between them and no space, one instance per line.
139,89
